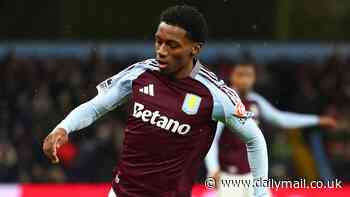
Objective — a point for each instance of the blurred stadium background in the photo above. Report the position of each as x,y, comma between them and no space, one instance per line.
54,53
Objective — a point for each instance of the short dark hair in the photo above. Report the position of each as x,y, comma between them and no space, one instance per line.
246,60
245,64
189,19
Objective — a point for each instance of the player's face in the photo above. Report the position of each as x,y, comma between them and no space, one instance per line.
242,78
174,49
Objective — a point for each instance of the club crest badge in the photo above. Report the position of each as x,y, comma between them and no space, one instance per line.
240,110
191,104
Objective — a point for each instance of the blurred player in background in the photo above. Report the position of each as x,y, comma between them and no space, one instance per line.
176,103
227,158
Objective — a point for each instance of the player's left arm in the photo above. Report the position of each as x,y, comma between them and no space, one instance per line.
286,119
231,112
256,149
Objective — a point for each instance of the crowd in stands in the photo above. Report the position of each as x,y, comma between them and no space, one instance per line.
37,92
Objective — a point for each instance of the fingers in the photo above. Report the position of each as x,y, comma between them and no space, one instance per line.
53,142
332,123
335,122
329,122
62,140
55,157
50,148
54,154
217,178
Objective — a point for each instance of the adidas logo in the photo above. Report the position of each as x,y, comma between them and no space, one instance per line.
148,90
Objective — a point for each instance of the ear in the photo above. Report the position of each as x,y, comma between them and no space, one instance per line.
196,48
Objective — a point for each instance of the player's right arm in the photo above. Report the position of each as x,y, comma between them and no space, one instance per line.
111,93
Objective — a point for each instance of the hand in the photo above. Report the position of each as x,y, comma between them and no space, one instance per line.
53,141
328,121
216,175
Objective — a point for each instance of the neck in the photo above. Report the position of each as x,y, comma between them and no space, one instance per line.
184,71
